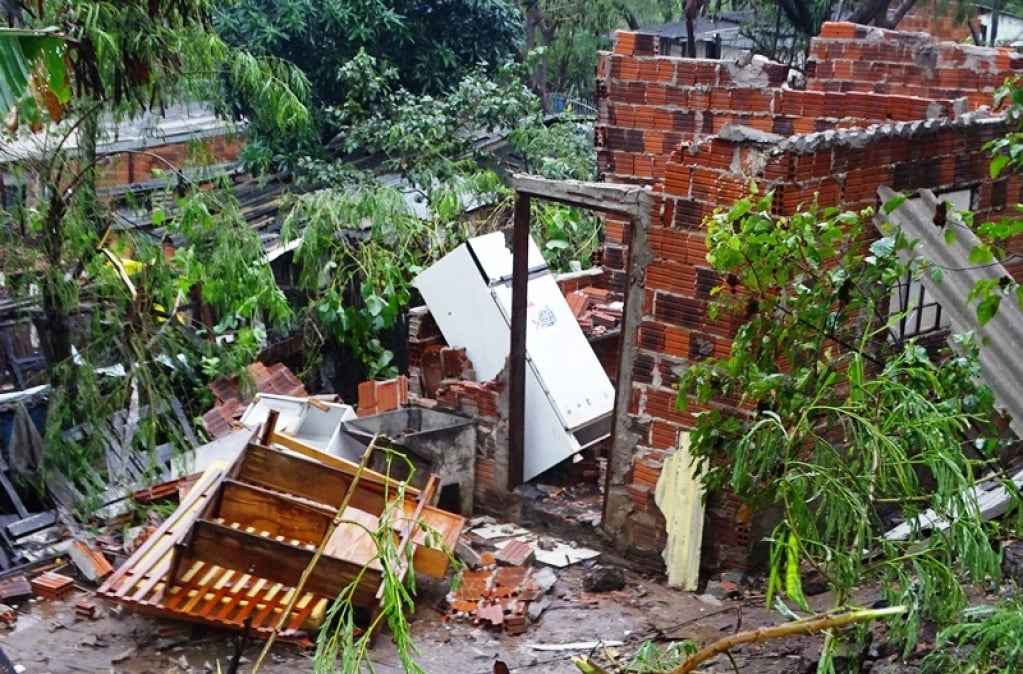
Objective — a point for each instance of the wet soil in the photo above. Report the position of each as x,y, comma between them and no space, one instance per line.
49,637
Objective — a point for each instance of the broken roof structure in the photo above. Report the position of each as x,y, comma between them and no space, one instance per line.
881,108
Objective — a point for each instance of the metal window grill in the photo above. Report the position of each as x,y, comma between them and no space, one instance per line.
919,313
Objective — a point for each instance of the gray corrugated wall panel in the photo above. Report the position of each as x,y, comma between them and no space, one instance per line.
1002,336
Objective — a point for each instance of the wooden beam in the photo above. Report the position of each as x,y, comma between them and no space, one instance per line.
517,350
279,471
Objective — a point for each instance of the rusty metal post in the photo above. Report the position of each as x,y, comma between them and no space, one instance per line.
517,355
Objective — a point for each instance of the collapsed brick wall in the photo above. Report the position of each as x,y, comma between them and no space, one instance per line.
698,131
453,389
848,57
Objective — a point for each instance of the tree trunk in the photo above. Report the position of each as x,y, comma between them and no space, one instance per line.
871,12
54,324
537,78
690,39
996,9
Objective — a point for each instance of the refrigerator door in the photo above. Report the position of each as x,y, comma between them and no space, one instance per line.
569,398
560,356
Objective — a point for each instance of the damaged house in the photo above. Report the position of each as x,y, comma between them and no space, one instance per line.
881,108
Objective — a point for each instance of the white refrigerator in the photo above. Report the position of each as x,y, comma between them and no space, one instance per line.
569,398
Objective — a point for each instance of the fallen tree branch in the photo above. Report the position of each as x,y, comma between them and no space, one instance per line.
811,625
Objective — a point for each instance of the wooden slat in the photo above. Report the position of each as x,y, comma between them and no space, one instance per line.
244,595
272,508
278,561
272,512
273,599
160,543
290,474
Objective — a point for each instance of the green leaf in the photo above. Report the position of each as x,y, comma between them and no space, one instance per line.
894,203
793,581
56,69
987,308
741,208
950,236
14,70
998,163
28,108
883,247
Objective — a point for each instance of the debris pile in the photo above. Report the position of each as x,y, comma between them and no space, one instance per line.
594,309
506,585
240,549
502,597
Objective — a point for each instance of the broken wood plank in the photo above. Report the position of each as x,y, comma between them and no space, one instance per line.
147,560
279,471
12,493
92,563
31,524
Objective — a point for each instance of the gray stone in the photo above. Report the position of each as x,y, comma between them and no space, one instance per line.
604,579
536,608
709,600
545,578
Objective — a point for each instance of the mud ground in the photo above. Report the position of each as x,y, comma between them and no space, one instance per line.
49,637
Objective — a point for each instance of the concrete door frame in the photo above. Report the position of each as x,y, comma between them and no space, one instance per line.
636,204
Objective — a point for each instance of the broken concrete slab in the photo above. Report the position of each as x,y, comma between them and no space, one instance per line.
465,553
494,531
545,578
559,554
